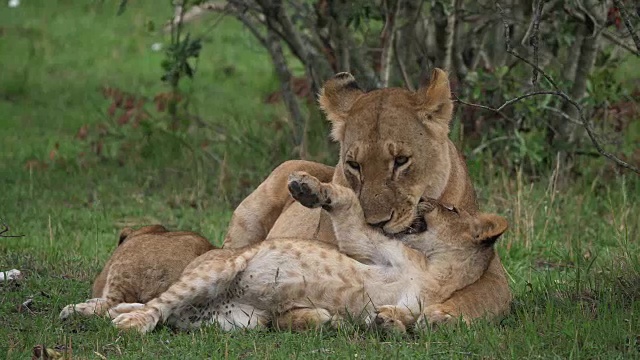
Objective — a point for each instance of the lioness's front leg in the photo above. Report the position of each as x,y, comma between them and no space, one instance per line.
489,297
254,217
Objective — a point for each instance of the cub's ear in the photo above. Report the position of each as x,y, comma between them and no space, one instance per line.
489,228
151,229
124,234
434,101
336,99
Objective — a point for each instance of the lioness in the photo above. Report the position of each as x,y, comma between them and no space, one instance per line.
394,151
303,283
145,263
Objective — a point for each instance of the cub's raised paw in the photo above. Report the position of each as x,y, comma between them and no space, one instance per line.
138,320
308,190
392,318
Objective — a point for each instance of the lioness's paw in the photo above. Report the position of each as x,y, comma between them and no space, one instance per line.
308,190
139,320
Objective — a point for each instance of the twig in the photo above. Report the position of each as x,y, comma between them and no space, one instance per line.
627,23
400,63
534,39
250,23
618,42
563,114
387,40
5,229
284,75
509,49
522,97
485,145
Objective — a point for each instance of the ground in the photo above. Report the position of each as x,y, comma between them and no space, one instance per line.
571,251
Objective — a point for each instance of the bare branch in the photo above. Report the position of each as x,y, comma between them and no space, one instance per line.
509,49
251,24
627,23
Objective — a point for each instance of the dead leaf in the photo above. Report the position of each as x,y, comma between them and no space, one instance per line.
82,132
42,352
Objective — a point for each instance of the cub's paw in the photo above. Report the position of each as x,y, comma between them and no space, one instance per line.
435,315
139,320
67,311
123,309
308,190
392,318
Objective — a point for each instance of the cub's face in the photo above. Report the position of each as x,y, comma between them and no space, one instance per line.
394,146
454,228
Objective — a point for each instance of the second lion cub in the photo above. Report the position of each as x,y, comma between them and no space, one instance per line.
296,283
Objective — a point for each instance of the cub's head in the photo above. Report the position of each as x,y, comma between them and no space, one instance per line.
393,145
449,227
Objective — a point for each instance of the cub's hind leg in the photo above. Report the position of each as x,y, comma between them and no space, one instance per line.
112,295
209,280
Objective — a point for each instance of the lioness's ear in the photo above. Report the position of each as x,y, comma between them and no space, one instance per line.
490,227
336,99
434,101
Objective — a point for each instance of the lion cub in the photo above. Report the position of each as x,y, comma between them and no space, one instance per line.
145,263
298,284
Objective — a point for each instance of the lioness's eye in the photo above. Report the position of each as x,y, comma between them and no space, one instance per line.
400,160
354,165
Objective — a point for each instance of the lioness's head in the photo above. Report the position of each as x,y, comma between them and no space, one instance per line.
394,145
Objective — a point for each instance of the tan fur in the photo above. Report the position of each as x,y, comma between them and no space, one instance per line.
302,284
373,128
145,263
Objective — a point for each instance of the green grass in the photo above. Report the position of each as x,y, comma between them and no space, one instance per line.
571,251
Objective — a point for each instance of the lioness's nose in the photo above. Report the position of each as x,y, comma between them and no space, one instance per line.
381,224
